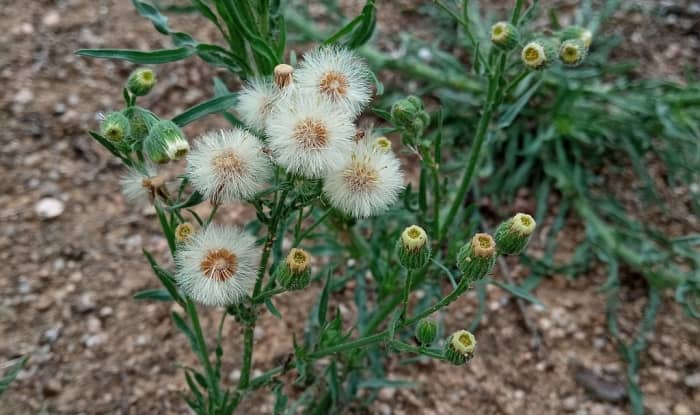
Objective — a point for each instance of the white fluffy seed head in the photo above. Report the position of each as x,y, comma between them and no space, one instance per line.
228,165
338,75
217,266
307,136
137,186
256,101
366,183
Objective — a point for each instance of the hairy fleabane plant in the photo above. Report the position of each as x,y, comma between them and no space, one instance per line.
324,191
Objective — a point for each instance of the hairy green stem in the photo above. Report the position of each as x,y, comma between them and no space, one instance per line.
482,129
406,292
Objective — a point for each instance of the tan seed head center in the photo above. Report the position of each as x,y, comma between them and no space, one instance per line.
361,177
228,163
333,84
311,134
219,264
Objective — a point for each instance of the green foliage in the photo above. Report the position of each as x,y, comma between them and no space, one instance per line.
11,374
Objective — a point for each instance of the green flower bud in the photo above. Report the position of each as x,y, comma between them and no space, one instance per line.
404,111
295,273
140,122
513,235
577,32
426,331
141,81
572,52
477,257
459,347
115,127
413,248
165,142
382,144
504,35
539,53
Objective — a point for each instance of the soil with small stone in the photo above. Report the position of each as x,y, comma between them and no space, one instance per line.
71,256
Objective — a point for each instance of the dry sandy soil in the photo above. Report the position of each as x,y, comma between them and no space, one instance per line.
66,283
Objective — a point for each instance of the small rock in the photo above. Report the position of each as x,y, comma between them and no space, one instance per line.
387,394
94,324
570,403
52,334
53,387
681,409
49,208
106,311
143,340
24,96
235,375
51,19
692,381
86,303
94,340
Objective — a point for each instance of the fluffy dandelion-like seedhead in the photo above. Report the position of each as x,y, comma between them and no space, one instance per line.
307,136
228,165
256,101
366,183
217,265
338,75
139,187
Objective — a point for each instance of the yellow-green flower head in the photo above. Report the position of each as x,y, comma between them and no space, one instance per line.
295,273
141,81
460,347
577,32
413,248
382,144
539,54
504,35
513,235
165,142
115,127
477,257
184,231
572,52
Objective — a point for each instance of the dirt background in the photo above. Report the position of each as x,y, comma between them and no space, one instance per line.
66,282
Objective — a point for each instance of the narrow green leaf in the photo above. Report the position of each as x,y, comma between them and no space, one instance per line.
159,21
271,307
323,303
165,278
110,147
517,291
12,374
139,57
157,294
185,329
214,105
168,230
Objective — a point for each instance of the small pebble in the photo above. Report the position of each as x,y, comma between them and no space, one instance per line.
49,208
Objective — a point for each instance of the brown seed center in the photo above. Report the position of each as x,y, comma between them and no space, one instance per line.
219,264
311,134
333,84
361,177
227,163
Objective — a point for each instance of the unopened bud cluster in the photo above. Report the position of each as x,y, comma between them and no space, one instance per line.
409,116
569,48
